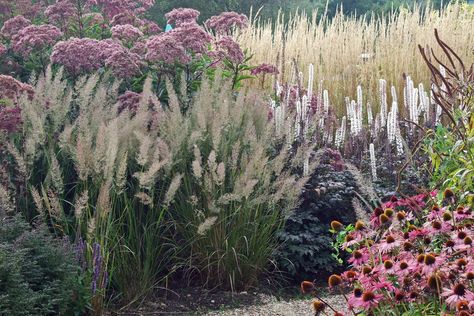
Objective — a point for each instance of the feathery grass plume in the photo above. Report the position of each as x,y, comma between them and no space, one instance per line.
197,169
143,154
121,174
100,149
38,201
20,162
56,175
6,201
206,225
81,204
144,198
53,205
103,200
173,188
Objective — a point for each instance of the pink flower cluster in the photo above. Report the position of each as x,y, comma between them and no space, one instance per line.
165,49
112,8
77,55
14,25
182,16
129,100
61,12
413,253
265,69
123,63
85,55
230,49
178,45
126,33
10,119
12,89
35,37
226,21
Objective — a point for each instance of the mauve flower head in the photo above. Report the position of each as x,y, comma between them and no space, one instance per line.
124,64
166,49
129,100
10,119
35,37
107,47
77,55
231,49
113,7
150,28
265,69
14,25
12,89
226,21
126,18
193,37
126,33
139,48
60,12
181,16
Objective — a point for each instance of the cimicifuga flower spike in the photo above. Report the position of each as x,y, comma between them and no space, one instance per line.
326,102
310,81
370,117
373,162
383,103
306,166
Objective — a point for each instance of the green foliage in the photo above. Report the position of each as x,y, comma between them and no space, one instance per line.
307,249
38,275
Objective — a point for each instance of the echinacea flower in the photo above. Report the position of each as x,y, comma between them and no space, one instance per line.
457,293
359,258
368,300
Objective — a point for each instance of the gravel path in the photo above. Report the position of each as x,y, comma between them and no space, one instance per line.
271,306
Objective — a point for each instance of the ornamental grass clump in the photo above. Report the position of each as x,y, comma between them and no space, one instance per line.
422,262
237,185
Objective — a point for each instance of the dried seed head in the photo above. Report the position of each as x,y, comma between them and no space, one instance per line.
407,246
336,226
436,225
358,292
450,243
447,216
401,215
357,254
349,238
390,239
389,212
403,265
462,235
368,296
459,289
388,264
462,305
461,263
366,270
334,280
359,225
470,276
430,259
318,306
468,240
307,287
448,193
383,218
434,282
420,258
